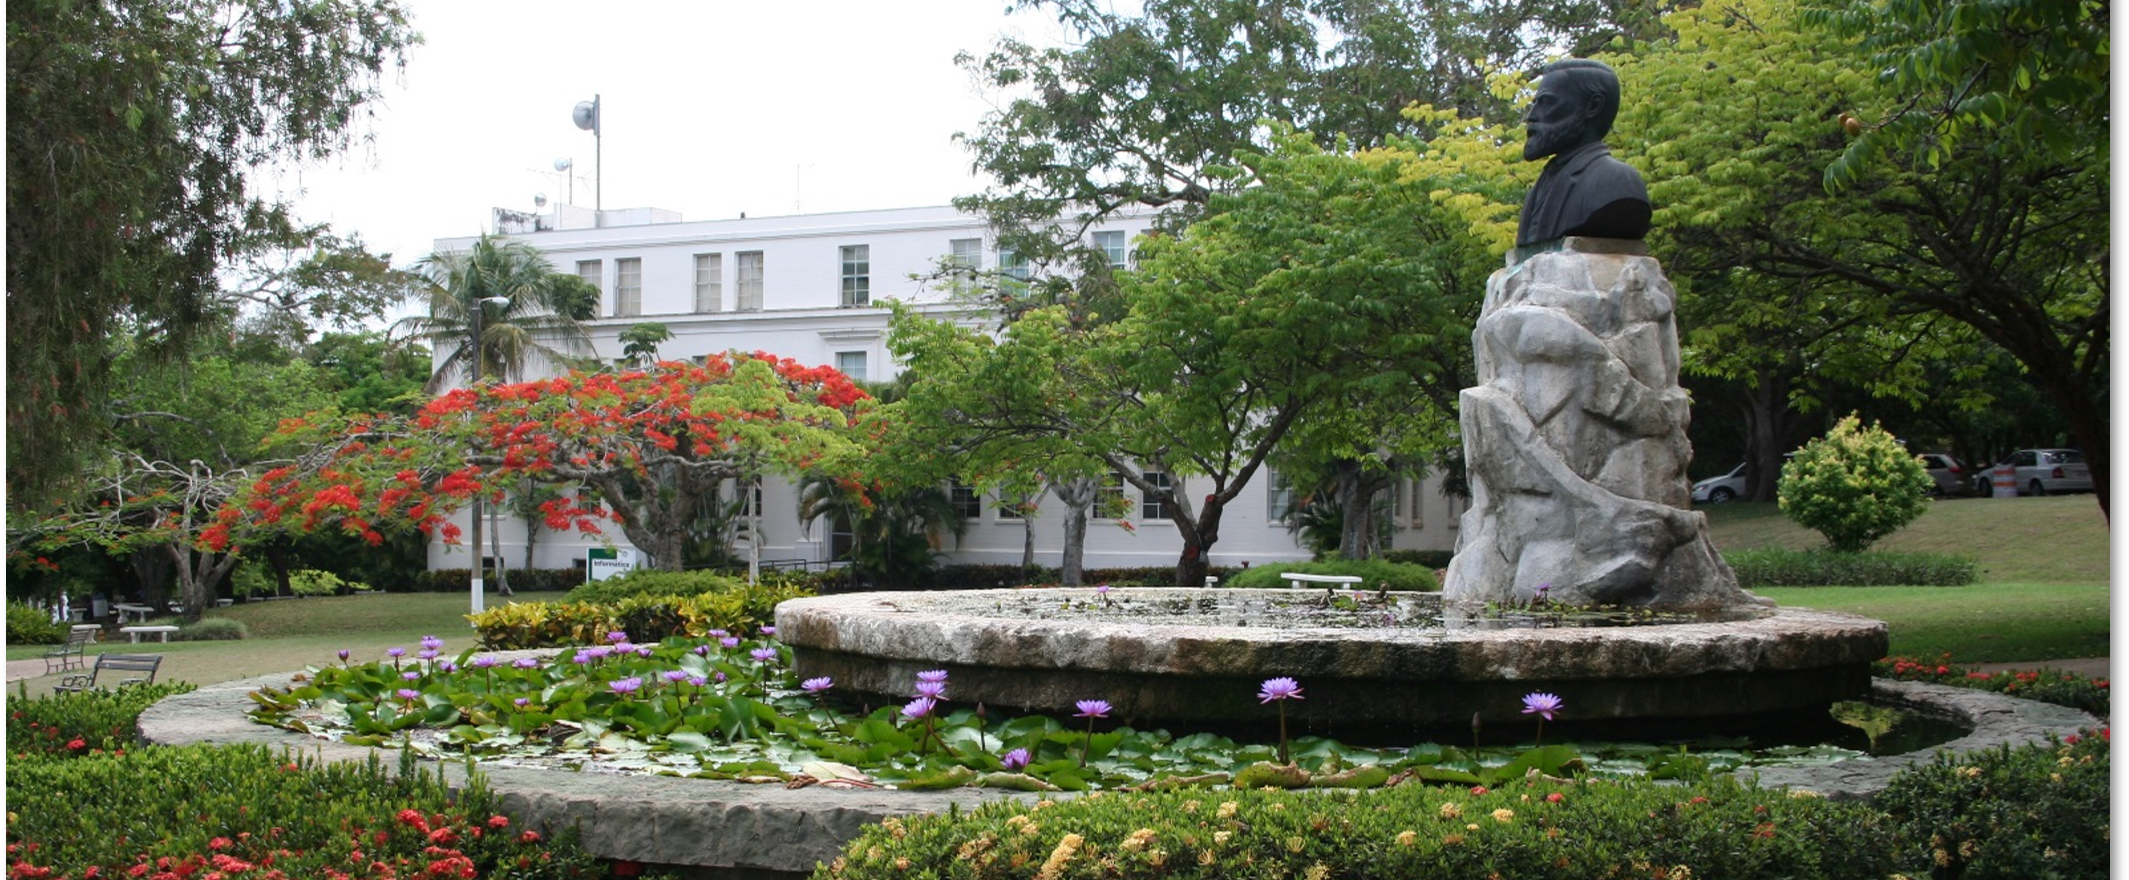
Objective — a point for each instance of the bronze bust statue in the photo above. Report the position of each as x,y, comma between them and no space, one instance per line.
1583,190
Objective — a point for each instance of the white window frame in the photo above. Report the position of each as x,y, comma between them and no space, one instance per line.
709,283
628,286
1115,243
857,275
594,272
1013,272
861,374
1150,507
750,277
966,500
1278,496
964,259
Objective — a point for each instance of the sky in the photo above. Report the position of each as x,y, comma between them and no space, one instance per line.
710,108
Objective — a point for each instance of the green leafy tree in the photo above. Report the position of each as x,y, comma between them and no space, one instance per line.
639,344
133,126
1854,485
523,315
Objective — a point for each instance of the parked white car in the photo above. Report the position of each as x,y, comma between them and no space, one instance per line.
1716,490
2042,472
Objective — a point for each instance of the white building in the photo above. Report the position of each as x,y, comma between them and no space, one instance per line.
803,287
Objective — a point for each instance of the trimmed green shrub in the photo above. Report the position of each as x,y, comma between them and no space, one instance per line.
2008,813
213,629
29,625
1374,574
652,582
100,720
244,810
645,618
1531,828
1776,567
1436,559
987,577
1854,485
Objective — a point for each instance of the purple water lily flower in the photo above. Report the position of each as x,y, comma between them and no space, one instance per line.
1016,759
719,633
409,694
395,653
817,685
643,650
1093,709
1281,688
617,636
933,689
485,661
702,650
920,707
932,675
410,675
763,655
675,675
720,678
768,630
446,666
432,643
623,648
582,657
344,654
428,654
1541,705
526,663
698,680
522,702
729,641
1103,589
625,686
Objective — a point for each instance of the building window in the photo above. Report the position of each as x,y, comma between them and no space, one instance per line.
966,502
1015,269
964,258
1111,503
1009,508
852,364
750,273
593,274
1151,506
857,275
709,282
628,286
1278,497
1113,244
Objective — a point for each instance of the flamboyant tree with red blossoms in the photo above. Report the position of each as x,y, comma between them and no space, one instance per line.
651,445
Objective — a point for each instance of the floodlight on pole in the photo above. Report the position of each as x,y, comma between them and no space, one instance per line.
586,116
565,166
480,357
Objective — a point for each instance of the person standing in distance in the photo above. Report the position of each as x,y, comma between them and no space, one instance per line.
1583,190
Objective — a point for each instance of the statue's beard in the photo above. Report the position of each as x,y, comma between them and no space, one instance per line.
1547,140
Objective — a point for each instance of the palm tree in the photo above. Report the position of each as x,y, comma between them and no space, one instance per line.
522,317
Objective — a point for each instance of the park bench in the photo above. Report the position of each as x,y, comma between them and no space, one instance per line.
1329,581
162,633
80,681
68,654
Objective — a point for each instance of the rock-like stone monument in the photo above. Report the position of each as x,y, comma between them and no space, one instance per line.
1575,437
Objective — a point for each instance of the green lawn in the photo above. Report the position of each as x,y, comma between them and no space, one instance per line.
2043,595
2043,592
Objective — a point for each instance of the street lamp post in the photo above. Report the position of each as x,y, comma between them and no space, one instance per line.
480,587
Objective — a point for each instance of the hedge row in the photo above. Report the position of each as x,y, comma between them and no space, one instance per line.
646,618
1774,567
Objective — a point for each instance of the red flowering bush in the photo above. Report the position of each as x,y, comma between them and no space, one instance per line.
2047,686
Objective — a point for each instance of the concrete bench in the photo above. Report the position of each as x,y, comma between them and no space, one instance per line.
1329,581
162,633
137,612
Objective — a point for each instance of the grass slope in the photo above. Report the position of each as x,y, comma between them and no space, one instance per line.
2059,539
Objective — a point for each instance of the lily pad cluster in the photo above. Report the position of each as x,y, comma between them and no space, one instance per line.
729,707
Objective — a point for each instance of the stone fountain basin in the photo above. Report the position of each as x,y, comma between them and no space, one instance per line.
1041,650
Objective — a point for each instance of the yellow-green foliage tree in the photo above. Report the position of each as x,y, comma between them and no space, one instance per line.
1854,485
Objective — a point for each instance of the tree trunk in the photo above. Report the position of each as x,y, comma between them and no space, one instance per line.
2088,424
1199,534
1357,489
1767,409
495,549
1078,496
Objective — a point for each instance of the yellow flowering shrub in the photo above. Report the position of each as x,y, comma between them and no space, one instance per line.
1854,485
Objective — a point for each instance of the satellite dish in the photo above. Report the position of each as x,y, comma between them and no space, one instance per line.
564,164
586,116
539,200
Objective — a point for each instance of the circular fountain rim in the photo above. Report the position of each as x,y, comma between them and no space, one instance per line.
923,628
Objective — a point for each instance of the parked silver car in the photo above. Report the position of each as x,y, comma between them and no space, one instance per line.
1952,476
2042,472
1716,490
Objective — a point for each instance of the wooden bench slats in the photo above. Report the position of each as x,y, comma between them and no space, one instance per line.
81,681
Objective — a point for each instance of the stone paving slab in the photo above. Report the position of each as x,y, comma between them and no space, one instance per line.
734,830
